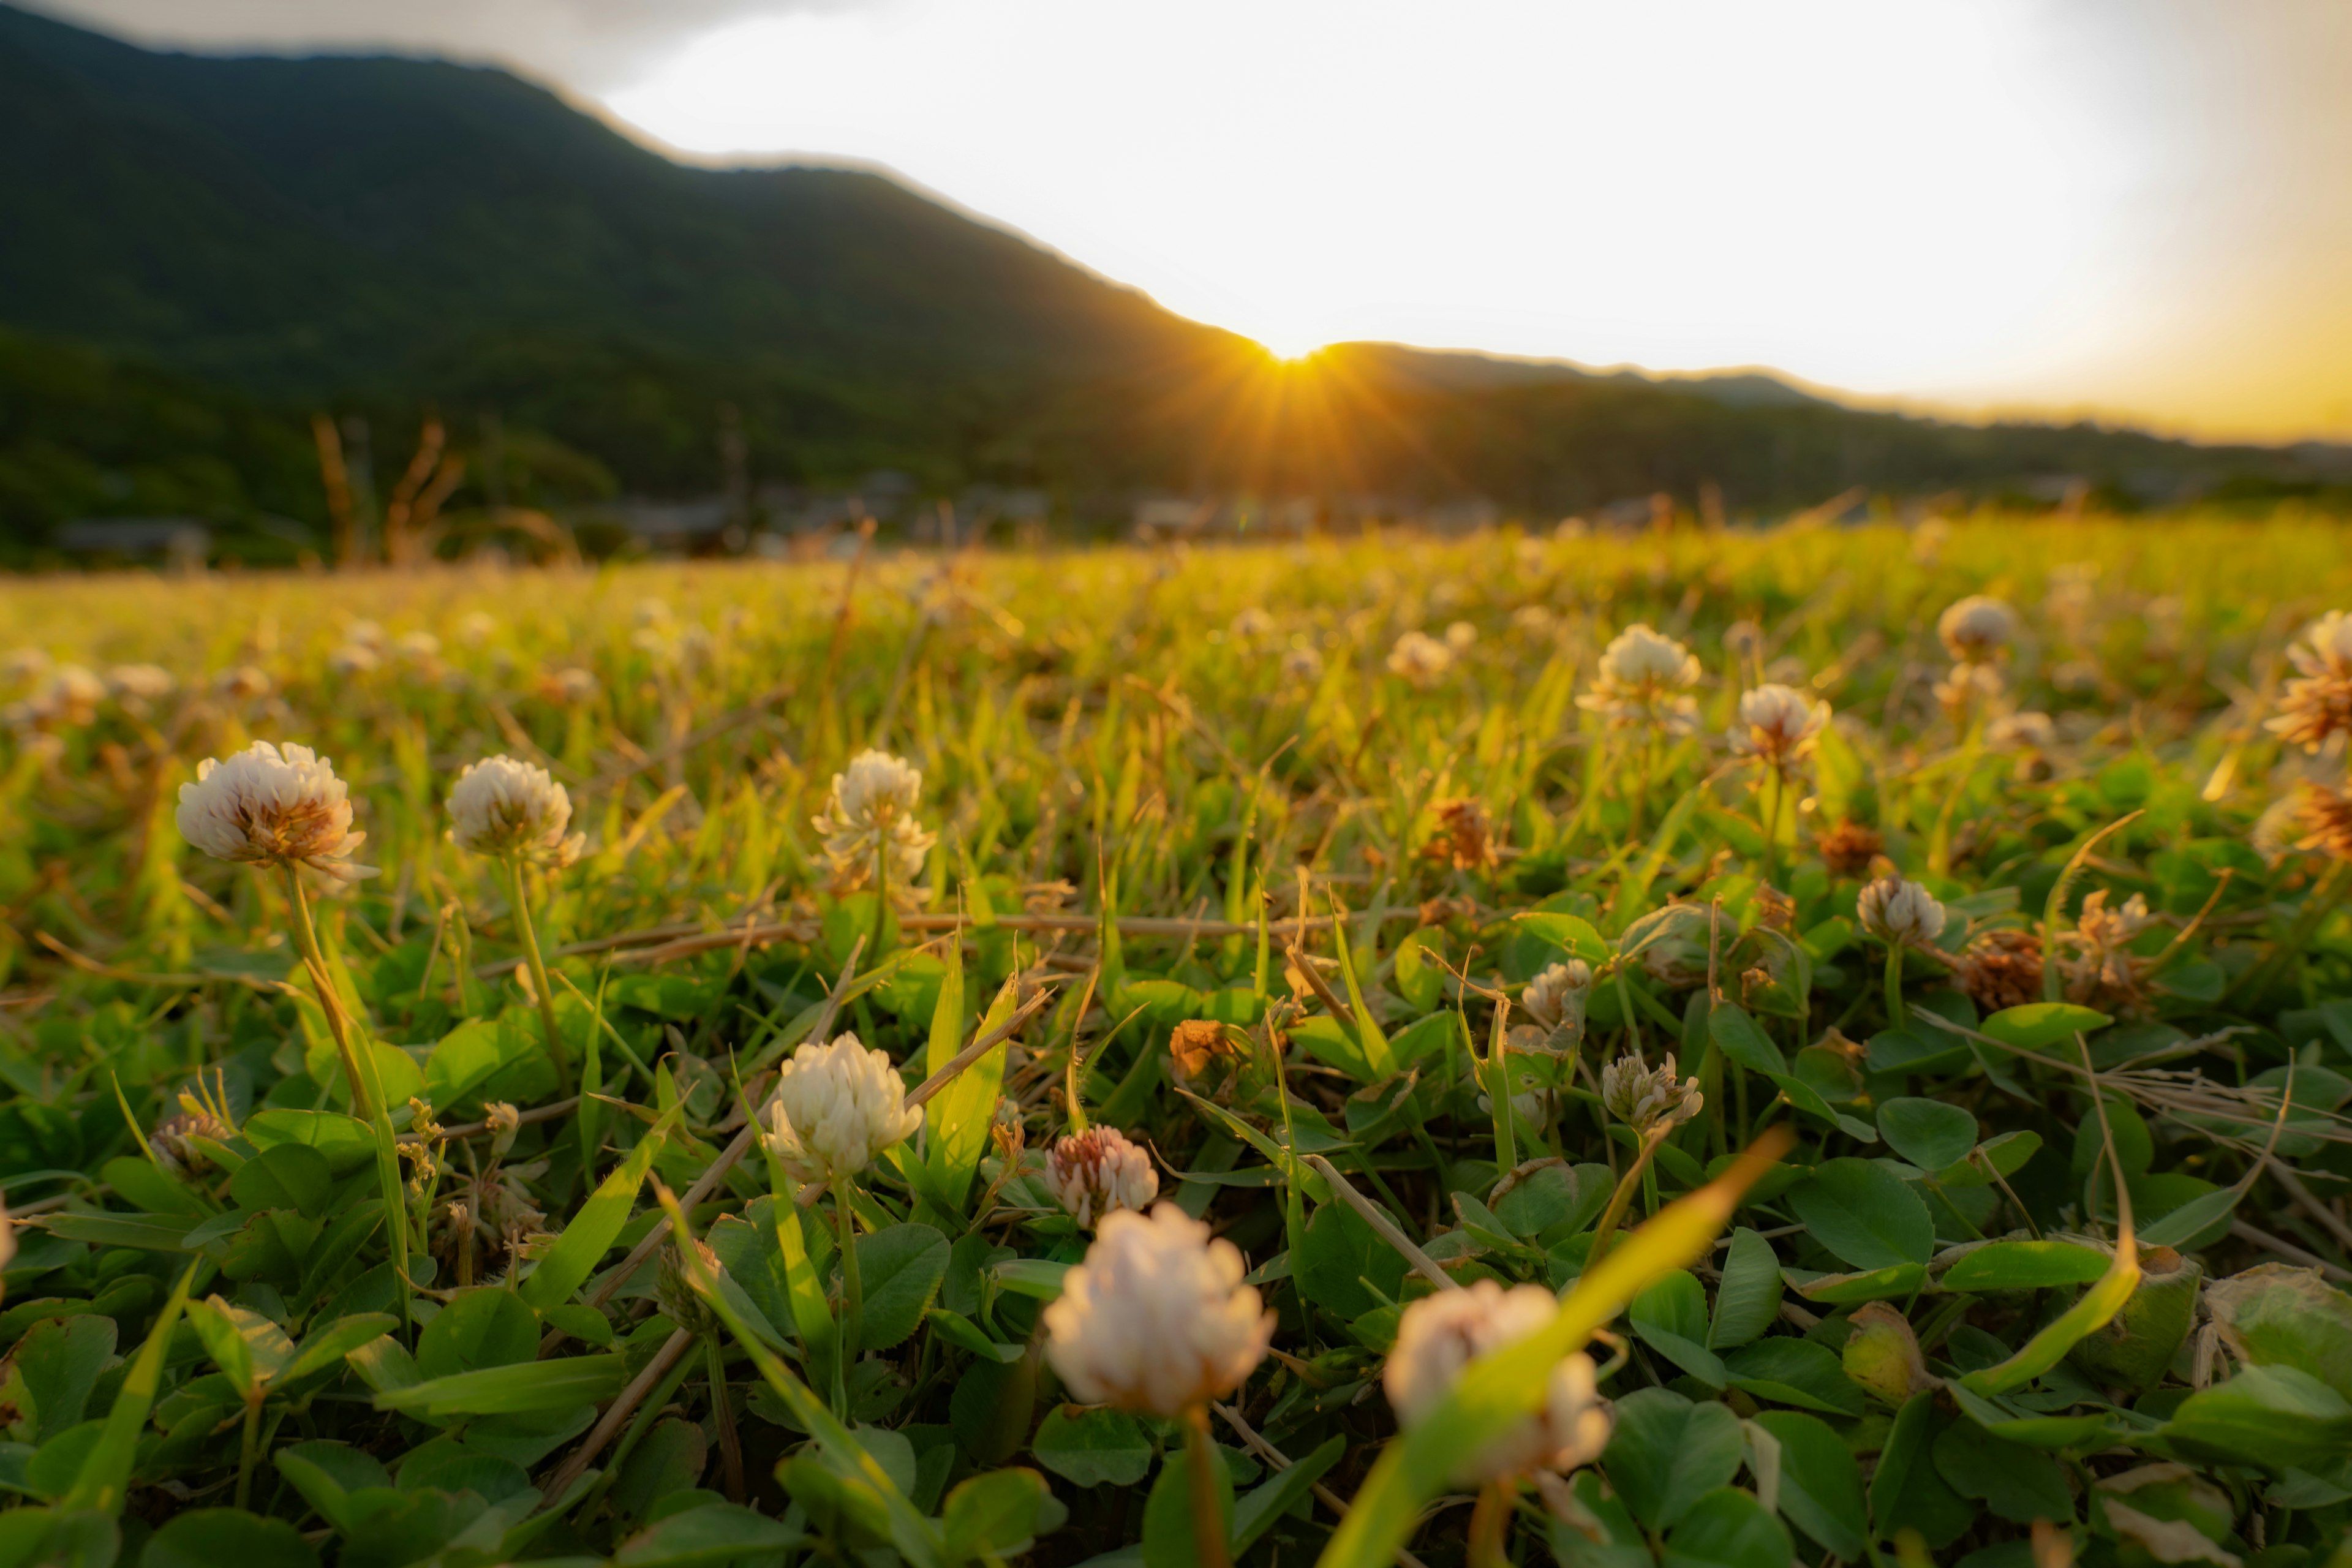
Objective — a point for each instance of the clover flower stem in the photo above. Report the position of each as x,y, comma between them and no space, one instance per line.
1895,1015
881,897
367,1098
250,1448
306,934
518,877
1775,782
1623,1196
1490,1525
1208,1518
730,1447
853,1289
1642,786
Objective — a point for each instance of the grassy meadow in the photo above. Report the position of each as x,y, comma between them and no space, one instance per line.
1919,1122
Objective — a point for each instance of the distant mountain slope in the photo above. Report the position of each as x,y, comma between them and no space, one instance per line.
374,234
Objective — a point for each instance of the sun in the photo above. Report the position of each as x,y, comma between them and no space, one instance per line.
1290,348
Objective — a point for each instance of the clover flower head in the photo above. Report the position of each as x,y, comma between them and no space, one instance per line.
835,1106
1438,1338
1251,624
872,812
1301,663
1975,628
245,680
1556,997
1645,678
2317,703
1642,1096
271,805
1099,1172
569,685
1900,914
1778,724
140,682
354,658
1157,1320
2027,731
1421,658
2315,820
500,806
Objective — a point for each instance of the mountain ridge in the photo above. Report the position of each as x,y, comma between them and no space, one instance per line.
373,234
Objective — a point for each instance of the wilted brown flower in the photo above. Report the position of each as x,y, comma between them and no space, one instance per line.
1848,849
1462,840
2095,958
1201,1051
2001,969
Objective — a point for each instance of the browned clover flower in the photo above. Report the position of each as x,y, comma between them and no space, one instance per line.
2001,969
1849,847
1462,840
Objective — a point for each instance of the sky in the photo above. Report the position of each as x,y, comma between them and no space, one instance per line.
2137,210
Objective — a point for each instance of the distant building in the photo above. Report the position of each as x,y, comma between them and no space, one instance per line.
180,542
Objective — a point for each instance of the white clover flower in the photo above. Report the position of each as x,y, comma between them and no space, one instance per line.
500,806
1975,627
1641,1095
422,647
1556,998
1778,724
1251,624
24,666
2029,732
873,805
1460,636
73,694
2318,703
269,805
1644,678
1967,685
2275,833
1421,658
1157,1320
140,682
1098,1171
1438,1338
836,1107
354,659
572,684
475,627
1534,620
364,634
1899,913
1301,663
245,680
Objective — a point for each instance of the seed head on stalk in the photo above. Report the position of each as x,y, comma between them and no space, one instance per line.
514,813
